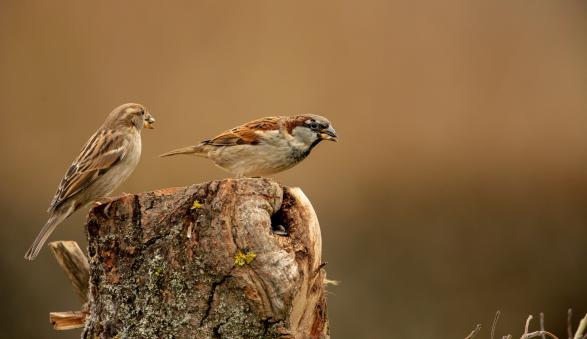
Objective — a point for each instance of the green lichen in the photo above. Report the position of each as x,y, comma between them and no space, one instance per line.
240,258
157,268
196,205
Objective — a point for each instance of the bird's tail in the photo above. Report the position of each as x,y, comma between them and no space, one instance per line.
55,219
195,150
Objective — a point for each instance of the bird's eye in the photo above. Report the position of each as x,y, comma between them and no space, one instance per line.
313,125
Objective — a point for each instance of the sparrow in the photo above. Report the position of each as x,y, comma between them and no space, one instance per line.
264,146
106,160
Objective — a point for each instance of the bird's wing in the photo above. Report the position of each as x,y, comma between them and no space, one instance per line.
104,149
245,134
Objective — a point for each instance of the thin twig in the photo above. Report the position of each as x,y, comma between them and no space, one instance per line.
542,333
474,332
581,328
530,317
539,334
542,325
535,334
570,323
494,324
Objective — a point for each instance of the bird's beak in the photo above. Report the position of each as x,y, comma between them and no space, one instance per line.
328,134
148,122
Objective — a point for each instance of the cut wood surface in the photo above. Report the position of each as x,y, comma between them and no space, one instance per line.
202,262
75,264
67,320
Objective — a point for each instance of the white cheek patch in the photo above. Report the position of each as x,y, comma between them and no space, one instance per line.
304,137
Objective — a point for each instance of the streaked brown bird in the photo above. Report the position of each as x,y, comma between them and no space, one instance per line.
105,161
264,146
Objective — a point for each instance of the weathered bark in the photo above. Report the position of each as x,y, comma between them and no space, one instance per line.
203,262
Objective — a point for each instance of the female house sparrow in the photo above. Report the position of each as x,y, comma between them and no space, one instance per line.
106,160
264,146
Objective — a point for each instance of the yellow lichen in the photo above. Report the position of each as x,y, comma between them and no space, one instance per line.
196,204
240,258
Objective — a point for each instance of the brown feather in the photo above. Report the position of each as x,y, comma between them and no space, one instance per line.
196,150
103,150
245,134
295,121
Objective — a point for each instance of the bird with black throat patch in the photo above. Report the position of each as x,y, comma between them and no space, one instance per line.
265,146
107,159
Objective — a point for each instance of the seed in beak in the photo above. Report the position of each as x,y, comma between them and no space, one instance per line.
148,123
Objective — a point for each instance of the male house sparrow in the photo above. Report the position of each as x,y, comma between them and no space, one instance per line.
264,146
106,160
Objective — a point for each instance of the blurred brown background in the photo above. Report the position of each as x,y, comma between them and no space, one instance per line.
459,185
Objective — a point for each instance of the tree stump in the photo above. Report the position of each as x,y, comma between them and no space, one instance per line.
202,262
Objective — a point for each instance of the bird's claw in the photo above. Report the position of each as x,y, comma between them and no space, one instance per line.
104,201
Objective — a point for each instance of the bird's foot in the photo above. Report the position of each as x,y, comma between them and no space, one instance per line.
104,201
